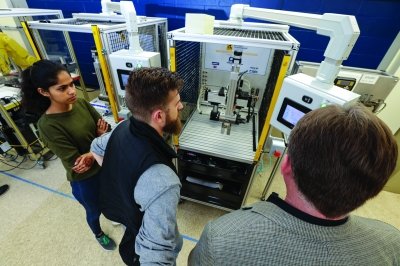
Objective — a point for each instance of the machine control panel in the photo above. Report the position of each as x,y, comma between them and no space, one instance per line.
300,94
124,61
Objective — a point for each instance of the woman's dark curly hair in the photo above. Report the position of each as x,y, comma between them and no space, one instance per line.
42,74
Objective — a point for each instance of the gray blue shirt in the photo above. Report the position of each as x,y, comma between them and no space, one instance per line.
157,192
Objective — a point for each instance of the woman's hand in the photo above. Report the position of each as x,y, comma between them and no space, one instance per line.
102,127
83,163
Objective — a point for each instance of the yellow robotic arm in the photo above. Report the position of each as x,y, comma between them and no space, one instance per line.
9,48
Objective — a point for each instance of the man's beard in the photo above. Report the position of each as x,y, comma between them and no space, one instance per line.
173,126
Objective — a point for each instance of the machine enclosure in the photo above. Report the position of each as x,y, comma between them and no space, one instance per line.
300,94
124,61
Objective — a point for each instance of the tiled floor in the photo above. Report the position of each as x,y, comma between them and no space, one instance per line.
41,223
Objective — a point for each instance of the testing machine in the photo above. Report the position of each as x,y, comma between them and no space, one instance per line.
113,34
229,78
234,86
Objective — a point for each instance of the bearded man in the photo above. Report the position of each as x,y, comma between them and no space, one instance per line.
139,184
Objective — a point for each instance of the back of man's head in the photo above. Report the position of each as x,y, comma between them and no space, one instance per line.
341,157
148,89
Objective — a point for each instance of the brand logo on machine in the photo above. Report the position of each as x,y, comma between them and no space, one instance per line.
307,99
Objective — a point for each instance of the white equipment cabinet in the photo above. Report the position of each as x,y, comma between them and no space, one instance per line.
300,94
217,158
124,61
215,161
372,85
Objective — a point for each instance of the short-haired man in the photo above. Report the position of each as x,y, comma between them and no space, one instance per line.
139,185
338,158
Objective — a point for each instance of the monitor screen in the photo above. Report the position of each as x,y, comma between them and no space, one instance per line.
291,112
292,115
123,76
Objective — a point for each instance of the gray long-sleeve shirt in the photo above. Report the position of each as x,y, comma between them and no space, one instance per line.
157,192
99,144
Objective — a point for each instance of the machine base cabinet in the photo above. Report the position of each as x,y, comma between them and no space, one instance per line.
213,181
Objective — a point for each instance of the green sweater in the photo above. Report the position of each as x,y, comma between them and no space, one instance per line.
70,134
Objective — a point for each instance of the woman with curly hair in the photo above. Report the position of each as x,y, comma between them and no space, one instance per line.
67,125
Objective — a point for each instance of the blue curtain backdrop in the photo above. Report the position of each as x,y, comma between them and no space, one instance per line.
379,23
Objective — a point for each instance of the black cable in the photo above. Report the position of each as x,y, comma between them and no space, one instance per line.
8,169
238,81
254,133
6,162
13,157
18,166
242,73
240,77
14,166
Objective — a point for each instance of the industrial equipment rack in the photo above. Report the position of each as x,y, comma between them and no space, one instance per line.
110,35
223,166
20,17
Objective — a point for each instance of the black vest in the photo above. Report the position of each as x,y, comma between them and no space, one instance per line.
133,147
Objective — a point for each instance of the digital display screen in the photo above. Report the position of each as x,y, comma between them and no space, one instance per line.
345,83
292,115
291,112
123,76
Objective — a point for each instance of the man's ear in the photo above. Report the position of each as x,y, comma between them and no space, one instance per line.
157,116
286,168
43,92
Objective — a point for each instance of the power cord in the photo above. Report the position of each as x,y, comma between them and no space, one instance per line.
14,158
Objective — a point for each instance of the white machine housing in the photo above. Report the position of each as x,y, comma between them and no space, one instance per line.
300,94
373,85
122,62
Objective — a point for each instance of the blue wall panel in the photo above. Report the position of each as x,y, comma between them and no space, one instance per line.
309,6
347,7
380,8
83,43
378,20
274,4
